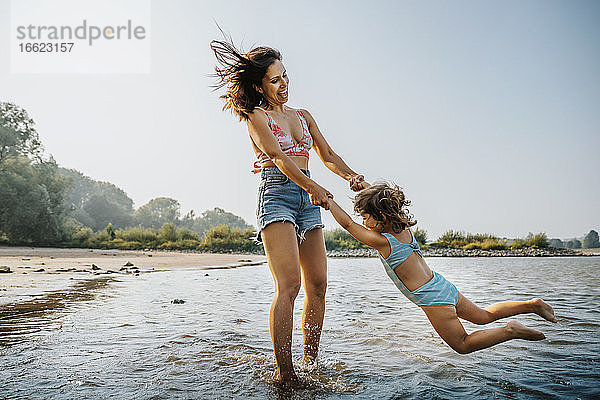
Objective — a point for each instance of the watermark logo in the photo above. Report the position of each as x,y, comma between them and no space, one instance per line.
80,36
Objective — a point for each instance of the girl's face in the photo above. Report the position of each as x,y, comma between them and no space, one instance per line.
275,84
371,223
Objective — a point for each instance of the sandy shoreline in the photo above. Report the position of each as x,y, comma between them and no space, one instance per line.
37,270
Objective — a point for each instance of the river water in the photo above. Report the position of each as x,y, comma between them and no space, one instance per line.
123,338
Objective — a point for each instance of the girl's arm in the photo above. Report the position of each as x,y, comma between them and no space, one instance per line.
360,233
264,139
331,160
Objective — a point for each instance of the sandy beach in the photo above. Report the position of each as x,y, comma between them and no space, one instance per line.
36,270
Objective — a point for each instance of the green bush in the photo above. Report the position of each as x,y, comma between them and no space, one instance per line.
539,240
147,236
190,244
480,237
224,238
492,244
518,244
167,233
451,238
420,236
459,239
340,239
457,244
186,244
121,244
110,231
186,234
82,236
99,240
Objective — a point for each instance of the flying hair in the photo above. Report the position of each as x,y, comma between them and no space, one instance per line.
241,74
386,203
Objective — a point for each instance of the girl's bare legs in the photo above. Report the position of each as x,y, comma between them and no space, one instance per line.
445,322
465,309
313,261
281,248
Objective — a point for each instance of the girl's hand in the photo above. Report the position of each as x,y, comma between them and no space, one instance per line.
357,183
320,196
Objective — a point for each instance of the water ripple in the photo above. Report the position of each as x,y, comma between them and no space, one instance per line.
125,339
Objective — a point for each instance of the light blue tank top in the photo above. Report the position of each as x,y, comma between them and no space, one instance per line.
399,251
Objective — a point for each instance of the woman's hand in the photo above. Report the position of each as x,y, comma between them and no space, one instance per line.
319,196
357,183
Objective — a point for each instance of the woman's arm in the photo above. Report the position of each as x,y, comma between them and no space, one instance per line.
331,160
264,139
360,233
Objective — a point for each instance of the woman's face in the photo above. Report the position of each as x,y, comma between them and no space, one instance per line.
275,84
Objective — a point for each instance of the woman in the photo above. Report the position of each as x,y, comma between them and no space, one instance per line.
289,219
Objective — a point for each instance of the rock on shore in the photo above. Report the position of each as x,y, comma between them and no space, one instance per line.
525,252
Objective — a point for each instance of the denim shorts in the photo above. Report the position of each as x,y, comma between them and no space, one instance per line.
280,199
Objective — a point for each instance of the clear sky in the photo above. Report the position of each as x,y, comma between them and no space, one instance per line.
487,113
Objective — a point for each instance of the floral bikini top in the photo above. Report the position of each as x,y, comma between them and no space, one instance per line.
287,143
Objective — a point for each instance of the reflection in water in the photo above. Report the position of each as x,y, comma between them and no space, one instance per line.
129,341
22,318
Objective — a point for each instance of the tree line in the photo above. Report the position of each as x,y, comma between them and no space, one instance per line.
42,204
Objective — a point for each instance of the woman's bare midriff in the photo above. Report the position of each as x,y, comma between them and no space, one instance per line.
300,161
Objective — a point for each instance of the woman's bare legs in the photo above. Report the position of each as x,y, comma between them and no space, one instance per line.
281,248
445,322
313,261
465,309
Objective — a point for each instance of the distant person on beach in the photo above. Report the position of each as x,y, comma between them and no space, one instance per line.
386,228
289,219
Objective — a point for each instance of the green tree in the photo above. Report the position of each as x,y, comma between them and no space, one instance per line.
537,240
224,238
420,236
110,231
32,192
18,136
158,212
591,240
452,238
340,239
188,220
167,233
573,244
215,217
95,204
32,209
556,243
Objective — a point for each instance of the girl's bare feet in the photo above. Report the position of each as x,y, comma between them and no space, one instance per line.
543,309
520,331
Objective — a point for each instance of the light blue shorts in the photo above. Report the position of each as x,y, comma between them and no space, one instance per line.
437,292
280,199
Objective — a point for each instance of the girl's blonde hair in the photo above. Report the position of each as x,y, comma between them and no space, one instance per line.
386,204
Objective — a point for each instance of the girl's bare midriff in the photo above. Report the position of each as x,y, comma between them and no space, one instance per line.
414,272
417,269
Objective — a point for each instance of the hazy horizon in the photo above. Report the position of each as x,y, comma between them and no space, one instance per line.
487,114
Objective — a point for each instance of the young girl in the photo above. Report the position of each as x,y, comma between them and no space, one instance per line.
387,229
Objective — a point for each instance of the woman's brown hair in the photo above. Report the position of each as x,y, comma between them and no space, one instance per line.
242,74
386,204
